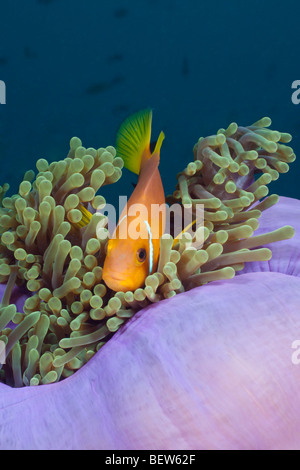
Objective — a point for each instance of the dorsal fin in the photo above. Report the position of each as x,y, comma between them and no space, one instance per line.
133,139
159,142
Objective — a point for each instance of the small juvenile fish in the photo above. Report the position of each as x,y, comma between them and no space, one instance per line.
117,57
102,86
121,12
130,260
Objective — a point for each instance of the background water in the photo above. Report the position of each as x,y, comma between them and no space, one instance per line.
75,67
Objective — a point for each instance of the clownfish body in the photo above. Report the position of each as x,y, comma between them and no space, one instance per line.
133,254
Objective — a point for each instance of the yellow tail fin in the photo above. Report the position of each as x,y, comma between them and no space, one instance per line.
86,217
133,139
185,230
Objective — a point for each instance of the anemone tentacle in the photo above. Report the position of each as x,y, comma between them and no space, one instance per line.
69,313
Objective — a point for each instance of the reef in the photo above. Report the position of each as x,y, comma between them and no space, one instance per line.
70,313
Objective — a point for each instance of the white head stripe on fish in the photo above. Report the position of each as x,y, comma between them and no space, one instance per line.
121,220
150,247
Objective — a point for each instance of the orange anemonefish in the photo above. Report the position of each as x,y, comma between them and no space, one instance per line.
130,260
133,249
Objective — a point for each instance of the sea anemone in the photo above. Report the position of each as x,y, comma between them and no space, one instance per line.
69,313
208,369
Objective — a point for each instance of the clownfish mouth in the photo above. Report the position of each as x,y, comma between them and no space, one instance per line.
120,284
116,283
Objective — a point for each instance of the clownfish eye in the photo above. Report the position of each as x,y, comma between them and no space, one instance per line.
141,255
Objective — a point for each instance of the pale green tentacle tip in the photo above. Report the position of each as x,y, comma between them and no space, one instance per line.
285,137
228,273
263,122
288,232
75,142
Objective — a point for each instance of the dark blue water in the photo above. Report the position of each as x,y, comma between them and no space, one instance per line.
74,67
